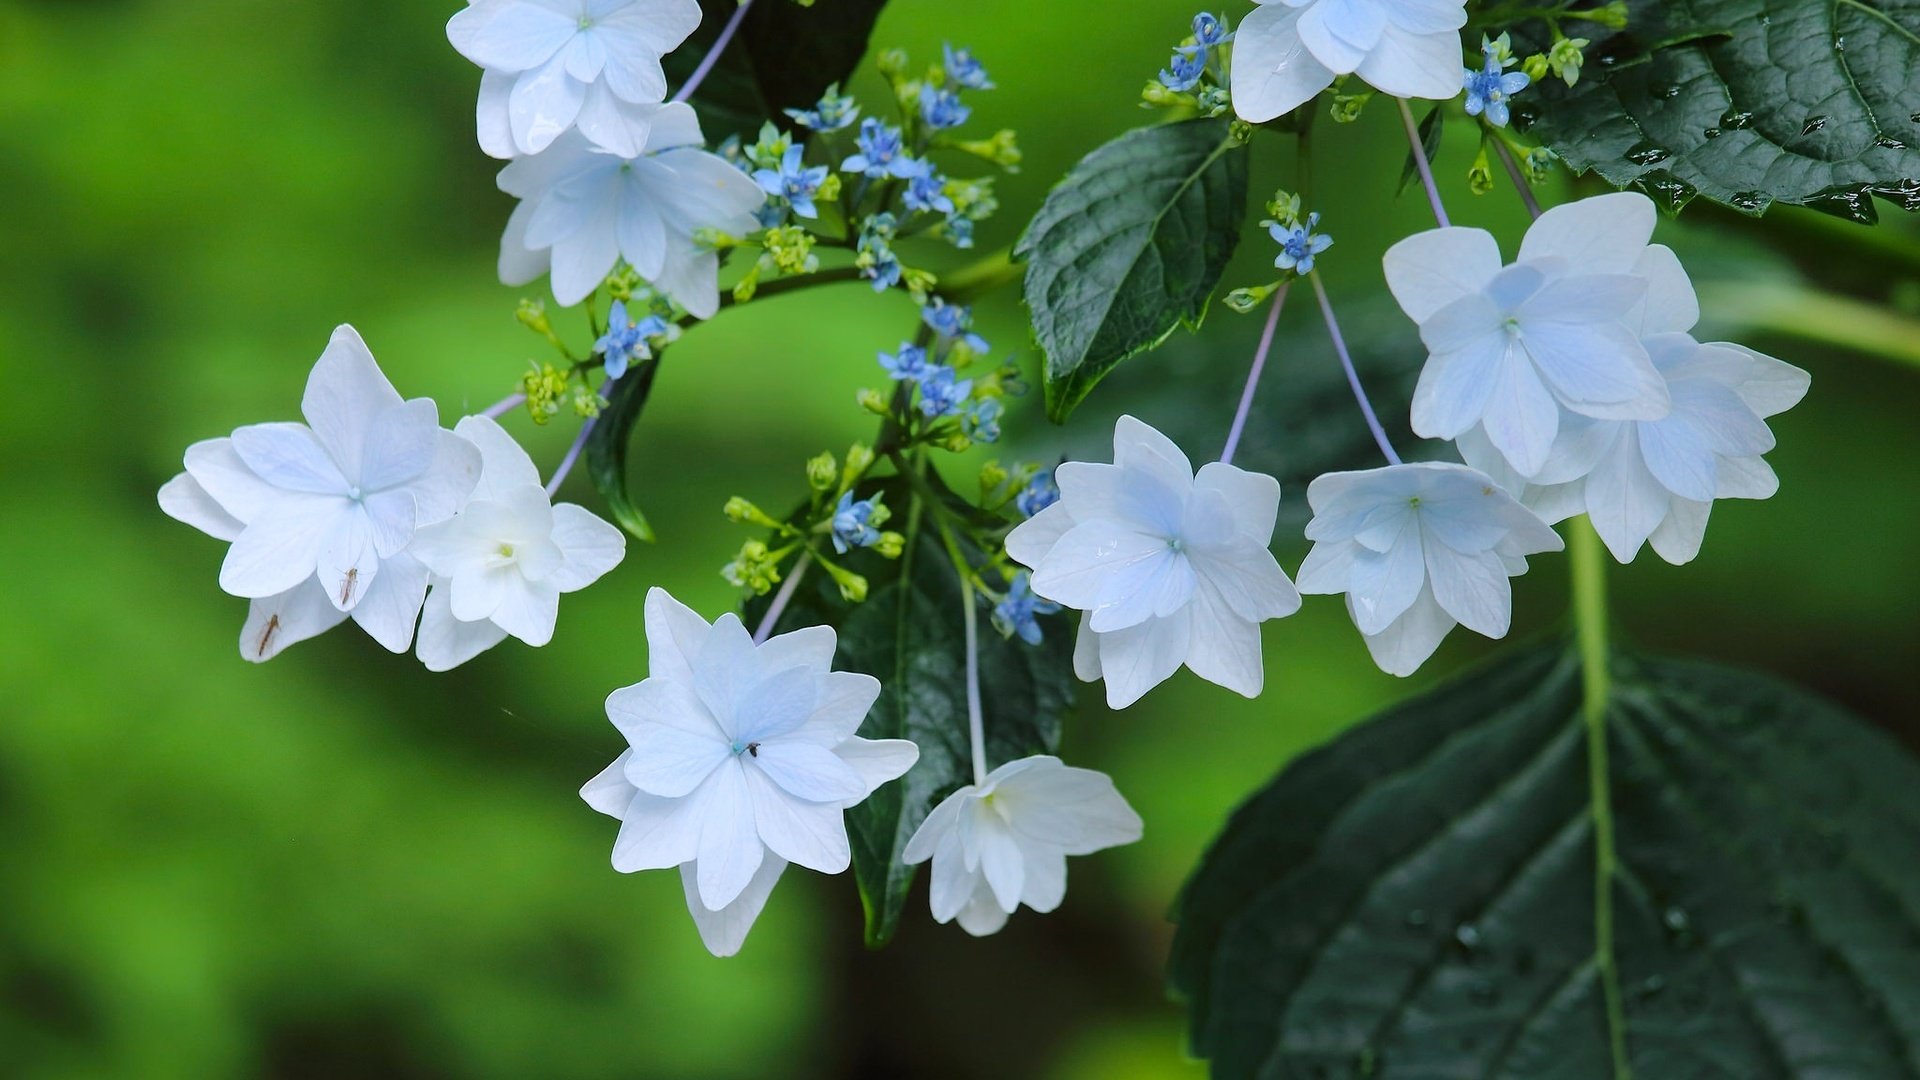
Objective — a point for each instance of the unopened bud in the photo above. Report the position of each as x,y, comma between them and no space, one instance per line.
822,472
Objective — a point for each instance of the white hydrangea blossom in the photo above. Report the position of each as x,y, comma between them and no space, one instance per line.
325,511
553,65
1171,567
1004,841
500,565
582,210
1419,549
1512,347
742,758
1286,51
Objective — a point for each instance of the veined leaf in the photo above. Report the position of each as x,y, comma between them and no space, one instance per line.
1417,899
1129,246
608,443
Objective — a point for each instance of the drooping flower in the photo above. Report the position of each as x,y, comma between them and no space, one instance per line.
1020,612
1040,493
910,364
1286,51
742,758
926,190
1489,88
1299,244
581,211
327,509
1170,567
964,70
625,340
1183,72
942,393
500,565
833,112
1418,549
793,181
882,153
552,65
953,323
850,523
1004,841
1511,347
942,109
1656,480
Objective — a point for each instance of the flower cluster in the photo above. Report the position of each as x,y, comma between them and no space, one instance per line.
1285,52
930,386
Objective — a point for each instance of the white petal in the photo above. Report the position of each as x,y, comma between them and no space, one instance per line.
491,120
216,466
1401,648
675,634
1678,456
1411,65
1328,568
609,792
1139,447
347,562
504,463
1522,418
184,500
811,834
619,127
878,760
1624,501
1745,478
808,647
289,458
1046,884
657,833
982,914
1224,648
1144,589
730,847
692,278
1000,861
845,698
281,546
1273,73
345,391
661,701
1671,305
774,707
808,772
723,932
590,546
950,886
1599,234
1454,387
1076,810
543,104
1385,583
1032,539
511,37
1096,558
1253,497
525,610
670,761
1340,32
1139,658
446,642
936,828
390,606
275,622
1430,270
1086,652
1678,538
520,264
1473,589
1598,370
1249,580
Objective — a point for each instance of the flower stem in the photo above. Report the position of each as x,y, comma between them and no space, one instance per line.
504,406
976,723
713,54
1519,178
1253,376
573,455
1420,162
1353,377
1590,632
782,598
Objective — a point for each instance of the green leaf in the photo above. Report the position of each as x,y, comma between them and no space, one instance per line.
1129,246
1429,144
784,57
1417,899
909,634
1748,103
608,443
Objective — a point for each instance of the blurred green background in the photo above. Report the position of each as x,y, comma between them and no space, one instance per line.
338,865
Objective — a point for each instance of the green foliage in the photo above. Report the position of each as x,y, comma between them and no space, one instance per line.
1748,103
1129,246
607,445
1417,898
909,634
786,55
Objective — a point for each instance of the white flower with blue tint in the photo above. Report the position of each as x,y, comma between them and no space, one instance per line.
582,211
1019,614
1170,567
552,65
1286,51
881,152
793,182
625,340
1004,841
500,565
1299,244
325,511
1489,88
1512,347
742,759
1419,549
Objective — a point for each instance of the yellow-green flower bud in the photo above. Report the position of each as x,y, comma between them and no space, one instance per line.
853,587
1565,58
829,189
1001,148
1156,93
859,460
1613,16
1346,108
533,315
956,442
875,402
1535,66
890,545
1480,175
822,472
741,512
1246,300
1284,207
893,62
992,475
748,285
791,250
919,283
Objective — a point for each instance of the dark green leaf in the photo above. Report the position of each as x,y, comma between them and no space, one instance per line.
1416,900
909,634
607,445
1129,246
1748,103
784,57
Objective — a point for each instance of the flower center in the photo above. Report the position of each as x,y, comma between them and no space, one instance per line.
751,749
353,493
506,551
1176,545
1512,325
586,22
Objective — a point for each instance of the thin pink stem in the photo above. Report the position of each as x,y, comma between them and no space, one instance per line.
782,598
713,55
1253,376
573,455
504,406
1420,162
1353,377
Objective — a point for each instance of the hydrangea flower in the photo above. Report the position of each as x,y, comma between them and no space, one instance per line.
875,258
1299,244
1184,70
833,112
960,232
327,509
793,181
551,65
964,70
1004,841
1020,612
1209,32
1286,51
942,109
981,422
625,340
1170,567
582,211
850,528
926,190
953,323
1656,480
910,364
1040,493
500,565
742,759
942,393
1418,549
881,152
1489,88
1511,347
